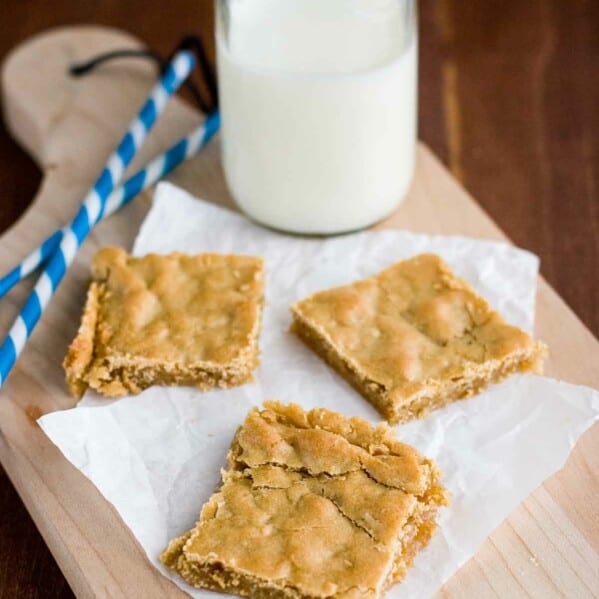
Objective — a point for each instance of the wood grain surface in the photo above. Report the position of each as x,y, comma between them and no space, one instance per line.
508,99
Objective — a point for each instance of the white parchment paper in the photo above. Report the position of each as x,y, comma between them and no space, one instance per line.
156,457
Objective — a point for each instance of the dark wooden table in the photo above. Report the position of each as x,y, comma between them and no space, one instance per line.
509,100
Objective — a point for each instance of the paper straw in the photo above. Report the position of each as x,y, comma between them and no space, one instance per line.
92,210
154,171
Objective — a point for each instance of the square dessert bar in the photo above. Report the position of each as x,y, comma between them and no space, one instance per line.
413,338
167,320
313,504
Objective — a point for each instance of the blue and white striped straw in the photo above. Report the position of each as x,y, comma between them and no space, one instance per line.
154,171
92,210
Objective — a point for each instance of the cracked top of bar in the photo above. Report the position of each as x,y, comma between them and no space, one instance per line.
313,504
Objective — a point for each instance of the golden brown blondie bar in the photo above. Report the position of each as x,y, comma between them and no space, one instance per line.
413,338
313,504
167,320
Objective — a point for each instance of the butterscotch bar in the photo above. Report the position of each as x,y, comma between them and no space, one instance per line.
312,504
413,338
167,320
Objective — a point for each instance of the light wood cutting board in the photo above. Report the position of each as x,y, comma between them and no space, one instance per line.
547,548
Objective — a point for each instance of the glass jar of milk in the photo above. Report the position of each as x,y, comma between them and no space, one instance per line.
318,106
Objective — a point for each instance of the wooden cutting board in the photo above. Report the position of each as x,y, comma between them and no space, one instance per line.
546,548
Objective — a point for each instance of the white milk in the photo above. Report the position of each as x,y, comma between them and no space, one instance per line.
318,105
